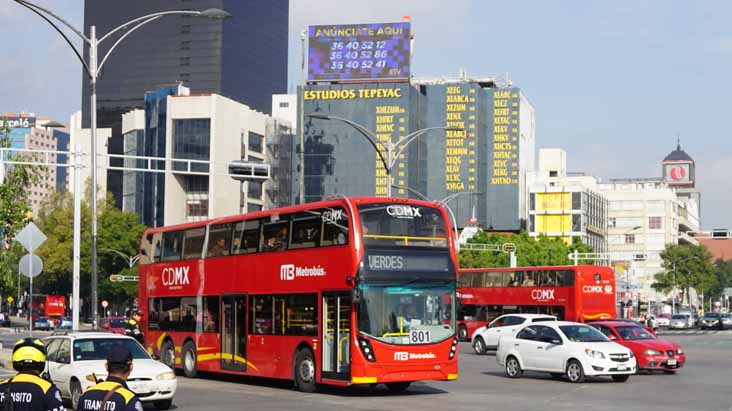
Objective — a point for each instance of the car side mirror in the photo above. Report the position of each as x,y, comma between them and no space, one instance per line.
612,337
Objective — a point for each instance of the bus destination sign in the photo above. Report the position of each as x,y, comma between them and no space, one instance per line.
378,51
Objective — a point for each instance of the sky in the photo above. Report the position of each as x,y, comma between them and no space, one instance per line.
613,82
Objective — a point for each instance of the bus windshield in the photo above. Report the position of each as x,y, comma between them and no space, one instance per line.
389,224
414,314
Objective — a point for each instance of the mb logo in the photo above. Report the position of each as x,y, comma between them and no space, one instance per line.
401,356
287,272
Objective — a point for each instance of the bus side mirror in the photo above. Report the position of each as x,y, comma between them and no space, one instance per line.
356,296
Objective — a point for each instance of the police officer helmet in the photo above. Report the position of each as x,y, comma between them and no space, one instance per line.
29,351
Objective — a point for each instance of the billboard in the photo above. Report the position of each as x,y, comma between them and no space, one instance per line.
17,122
677,173
379,51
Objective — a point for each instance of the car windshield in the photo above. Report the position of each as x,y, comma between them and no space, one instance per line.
118,323
98,348
634,333
679,317
408,314
582,333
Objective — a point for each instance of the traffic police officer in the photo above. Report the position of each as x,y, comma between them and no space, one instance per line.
27,390
132,328
112,394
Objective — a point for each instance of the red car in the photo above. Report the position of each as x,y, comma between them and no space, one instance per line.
650,352
113,324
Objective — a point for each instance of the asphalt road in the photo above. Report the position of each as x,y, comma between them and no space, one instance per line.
705,383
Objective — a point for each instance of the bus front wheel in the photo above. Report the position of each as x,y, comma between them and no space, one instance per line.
189,360
167,354
305,371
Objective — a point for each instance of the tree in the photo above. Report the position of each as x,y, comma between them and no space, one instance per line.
118,231
540,251
685,267
15,213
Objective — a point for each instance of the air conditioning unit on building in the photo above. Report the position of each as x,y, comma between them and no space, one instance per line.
639,257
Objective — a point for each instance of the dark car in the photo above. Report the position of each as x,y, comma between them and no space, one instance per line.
713,320
43,323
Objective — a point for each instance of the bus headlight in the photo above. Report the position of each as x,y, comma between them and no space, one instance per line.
166,376
366,349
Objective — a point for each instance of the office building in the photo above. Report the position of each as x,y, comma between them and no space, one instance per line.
243,58
485,154
196,137
566,205
39,133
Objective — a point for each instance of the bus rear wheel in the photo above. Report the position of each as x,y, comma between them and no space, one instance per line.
305,371
189,360
397,387
462,333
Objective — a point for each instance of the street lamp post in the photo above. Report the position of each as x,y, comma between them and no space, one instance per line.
130,259
393,150
93,69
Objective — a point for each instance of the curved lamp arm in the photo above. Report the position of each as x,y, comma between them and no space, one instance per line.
361,129
404,142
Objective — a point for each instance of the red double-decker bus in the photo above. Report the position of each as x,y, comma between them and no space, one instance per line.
572,293
348,291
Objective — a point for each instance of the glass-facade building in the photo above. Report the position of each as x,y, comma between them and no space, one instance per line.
480,161
243,58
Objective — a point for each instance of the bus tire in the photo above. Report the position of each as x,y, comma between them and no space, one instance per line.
462,333
397,387
305,371
189,360
167,354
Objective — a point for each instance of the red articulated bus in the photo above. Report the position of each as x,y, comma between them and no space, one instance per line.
573,293
341,292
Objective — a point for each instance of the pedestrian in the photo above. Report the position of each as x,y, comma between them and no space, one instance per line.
112,394
27,390
132,328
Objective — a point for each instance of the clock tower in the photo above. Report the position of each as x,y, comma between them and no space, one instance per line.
679,169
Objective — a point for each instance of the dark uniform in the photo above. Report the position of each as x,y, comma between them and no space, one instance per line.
110,395
26,390
132,329
113,394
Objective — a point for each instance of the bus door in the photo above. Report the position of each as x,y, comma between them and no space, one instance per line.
336,336
233,333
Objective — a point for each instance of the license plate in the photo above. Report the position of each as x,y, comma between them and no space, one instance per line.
420,337
139,388
622,367
671,362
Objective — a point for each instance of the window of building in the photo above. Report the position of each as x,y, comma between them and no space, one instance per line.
655,223
185,61
197,209
284,104
553,173
219,240
252,207
612,222
630,239
191,140
256,142
185,45
254,189
185,29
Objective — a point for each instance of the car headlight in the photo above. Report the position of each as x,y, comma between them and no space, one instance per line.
166,376
594,354
651,352
631,354
679,351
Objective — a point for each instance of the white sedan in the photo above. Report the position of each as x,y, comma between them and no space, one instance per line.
75,360
486,338
565,348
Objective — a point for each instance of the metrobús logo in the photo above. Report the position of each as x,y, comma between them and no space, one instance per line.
542,295
608,289
406,356
175,277
291,271
403,211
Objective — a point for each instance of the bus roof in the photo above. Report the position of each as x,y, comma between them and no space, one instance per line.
546,267
291,209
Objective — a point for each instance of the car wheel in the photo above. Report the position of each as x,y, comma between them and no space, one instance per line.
462,333
397,387
189,360
620,378
479,346
163,404
305,371
575,373
513,368
167,354
75,388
